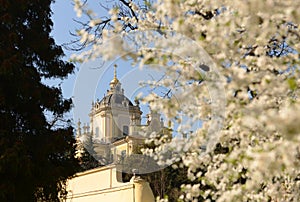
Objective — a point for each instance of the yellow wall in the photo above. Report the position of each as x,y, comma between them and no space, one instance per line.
121,148
101,185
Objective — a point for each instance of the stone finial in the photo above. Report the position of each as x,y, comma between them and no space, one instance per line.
134,172
78,127
137,102
85,128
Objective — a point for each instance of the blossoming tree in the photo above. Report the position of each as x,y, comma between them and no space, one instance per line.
234,65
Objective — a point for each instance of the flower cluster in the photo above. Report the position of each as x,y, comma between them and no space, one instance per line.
234,65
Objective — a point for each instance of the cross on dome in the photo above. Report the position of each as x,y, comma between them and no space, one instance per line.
115,71
115,80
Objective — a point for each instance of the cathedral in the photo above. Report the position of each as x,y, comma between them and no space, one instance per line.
114,132
115,128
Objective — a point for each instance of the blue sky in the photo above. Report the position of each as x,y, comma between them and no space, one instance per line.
62,17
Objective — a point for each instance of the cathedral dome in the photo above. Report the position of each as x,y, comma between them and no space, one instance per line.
112,99
115,97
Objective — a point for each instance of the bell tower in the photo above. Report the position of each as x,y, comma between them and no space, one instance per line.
111,116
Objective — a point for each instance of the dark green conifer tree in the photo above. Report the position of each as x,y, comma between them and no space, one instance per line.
36,154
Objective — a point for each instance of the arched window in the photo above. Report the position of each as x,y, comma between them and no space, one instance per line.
97,132
125,130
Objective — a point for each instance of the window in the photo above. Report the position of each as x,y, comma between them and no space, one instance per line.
125,130
97,132
123,153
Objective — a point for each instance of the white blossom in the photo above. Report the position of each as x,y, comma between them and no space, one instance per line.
248,101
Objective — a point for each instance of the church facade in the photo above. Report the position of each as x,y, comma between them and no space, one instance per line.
114,132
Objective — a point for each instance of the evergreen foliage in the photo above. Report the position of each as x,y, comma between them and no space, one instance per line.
36,154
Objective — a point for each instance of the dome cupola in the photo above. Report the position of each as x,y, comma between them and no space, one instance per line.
114,82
